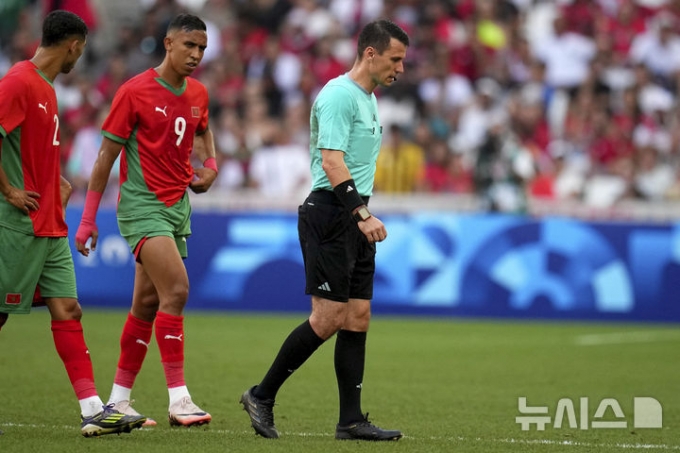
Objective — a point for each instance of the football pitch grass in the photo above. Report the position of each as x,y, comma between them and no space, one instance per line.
450,385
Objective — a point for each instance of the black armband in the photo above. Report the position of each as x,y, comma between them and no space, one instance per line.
347,194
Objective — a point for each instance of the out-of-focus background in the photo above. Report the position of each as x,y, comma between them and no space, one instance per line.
530,162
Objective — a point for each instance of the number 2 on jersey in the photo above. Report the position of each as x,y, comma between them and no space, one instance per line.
180,128
55,140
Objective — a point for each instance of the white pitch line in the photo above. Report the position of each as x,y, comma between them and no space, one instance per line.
452,439
572,443
641,336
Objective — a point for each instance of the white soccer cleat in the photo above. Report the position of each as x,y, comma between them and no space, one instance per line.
185,413
125,407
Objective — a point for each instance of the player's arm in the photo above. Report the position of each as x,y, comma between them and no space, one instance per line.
24,200
108,153
65,191
204,147
333,164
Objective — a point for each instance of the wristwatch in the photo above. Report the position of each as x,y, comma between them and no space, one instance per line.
362,214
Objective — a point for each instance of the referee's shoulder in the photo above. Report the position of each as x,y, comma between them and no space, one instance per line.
336,89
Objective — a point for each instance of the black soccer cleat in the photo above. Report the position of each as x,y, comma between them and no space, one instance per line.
261,414
365,430
110,421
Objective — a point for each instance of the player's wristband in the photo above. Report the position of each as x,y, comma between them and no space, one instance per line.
349,196
210,163
92,200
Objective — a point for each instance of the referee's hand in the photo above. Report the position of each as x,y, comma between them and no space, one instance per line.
373,229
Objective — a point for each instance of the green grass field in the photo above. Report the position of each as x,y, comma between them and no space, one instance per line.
448,384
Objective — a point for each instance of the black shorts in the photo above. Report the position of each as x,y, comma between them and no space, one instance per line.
339,260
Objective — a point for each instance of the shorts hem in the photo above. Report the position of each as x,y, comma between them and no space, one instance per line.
16,312
332,297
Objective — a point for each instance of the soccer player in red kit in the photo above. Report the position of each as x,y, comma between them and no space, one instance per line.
157,118
34,249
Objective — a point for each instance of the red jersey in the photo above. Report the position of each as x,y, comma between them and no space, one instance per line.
30,155
156,123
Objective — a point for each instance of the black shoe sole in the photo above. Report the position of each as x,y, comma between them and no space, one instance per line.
345,436
259,431
125,429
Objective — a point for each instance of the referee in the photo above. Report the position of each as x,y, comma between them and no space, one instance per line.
338,234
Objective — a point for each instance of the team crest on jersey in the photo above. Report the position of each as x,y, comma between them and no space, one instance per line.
12,299
195,112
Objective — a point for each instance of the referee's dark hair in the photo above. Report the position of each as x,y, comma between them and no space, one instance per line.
60,25
377,34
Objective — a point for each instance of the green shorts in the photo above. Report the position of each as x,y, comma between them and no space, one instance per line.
28,262
174,222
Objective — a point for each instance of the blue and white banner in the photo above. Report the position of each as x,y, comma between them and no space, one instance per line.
431,264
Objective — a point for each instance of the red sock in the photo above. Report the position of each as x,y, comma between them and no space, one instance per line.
170,338
71,347
134,344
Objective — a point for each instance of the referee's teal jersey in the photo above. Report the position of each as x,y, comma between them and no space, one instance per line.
344,117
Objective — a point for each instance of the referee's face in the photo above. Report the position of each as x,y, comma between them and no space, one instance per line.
387,67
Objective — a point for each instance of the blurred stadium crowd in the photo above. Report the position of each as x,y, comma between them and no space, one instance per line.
509,100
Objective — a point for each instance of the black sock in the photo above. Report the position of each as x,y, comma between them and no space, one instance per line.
295,350
350,355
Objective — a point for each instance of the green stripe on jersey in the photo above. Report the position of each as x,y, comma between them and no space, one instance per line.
115,138
135,197
176,91
10,216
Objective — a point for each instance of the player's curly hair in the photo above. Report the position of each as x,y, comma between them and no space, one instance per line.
377,34
60,25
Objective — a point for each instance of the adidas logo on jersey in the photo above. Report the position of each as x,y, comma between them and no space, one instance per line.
325,286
